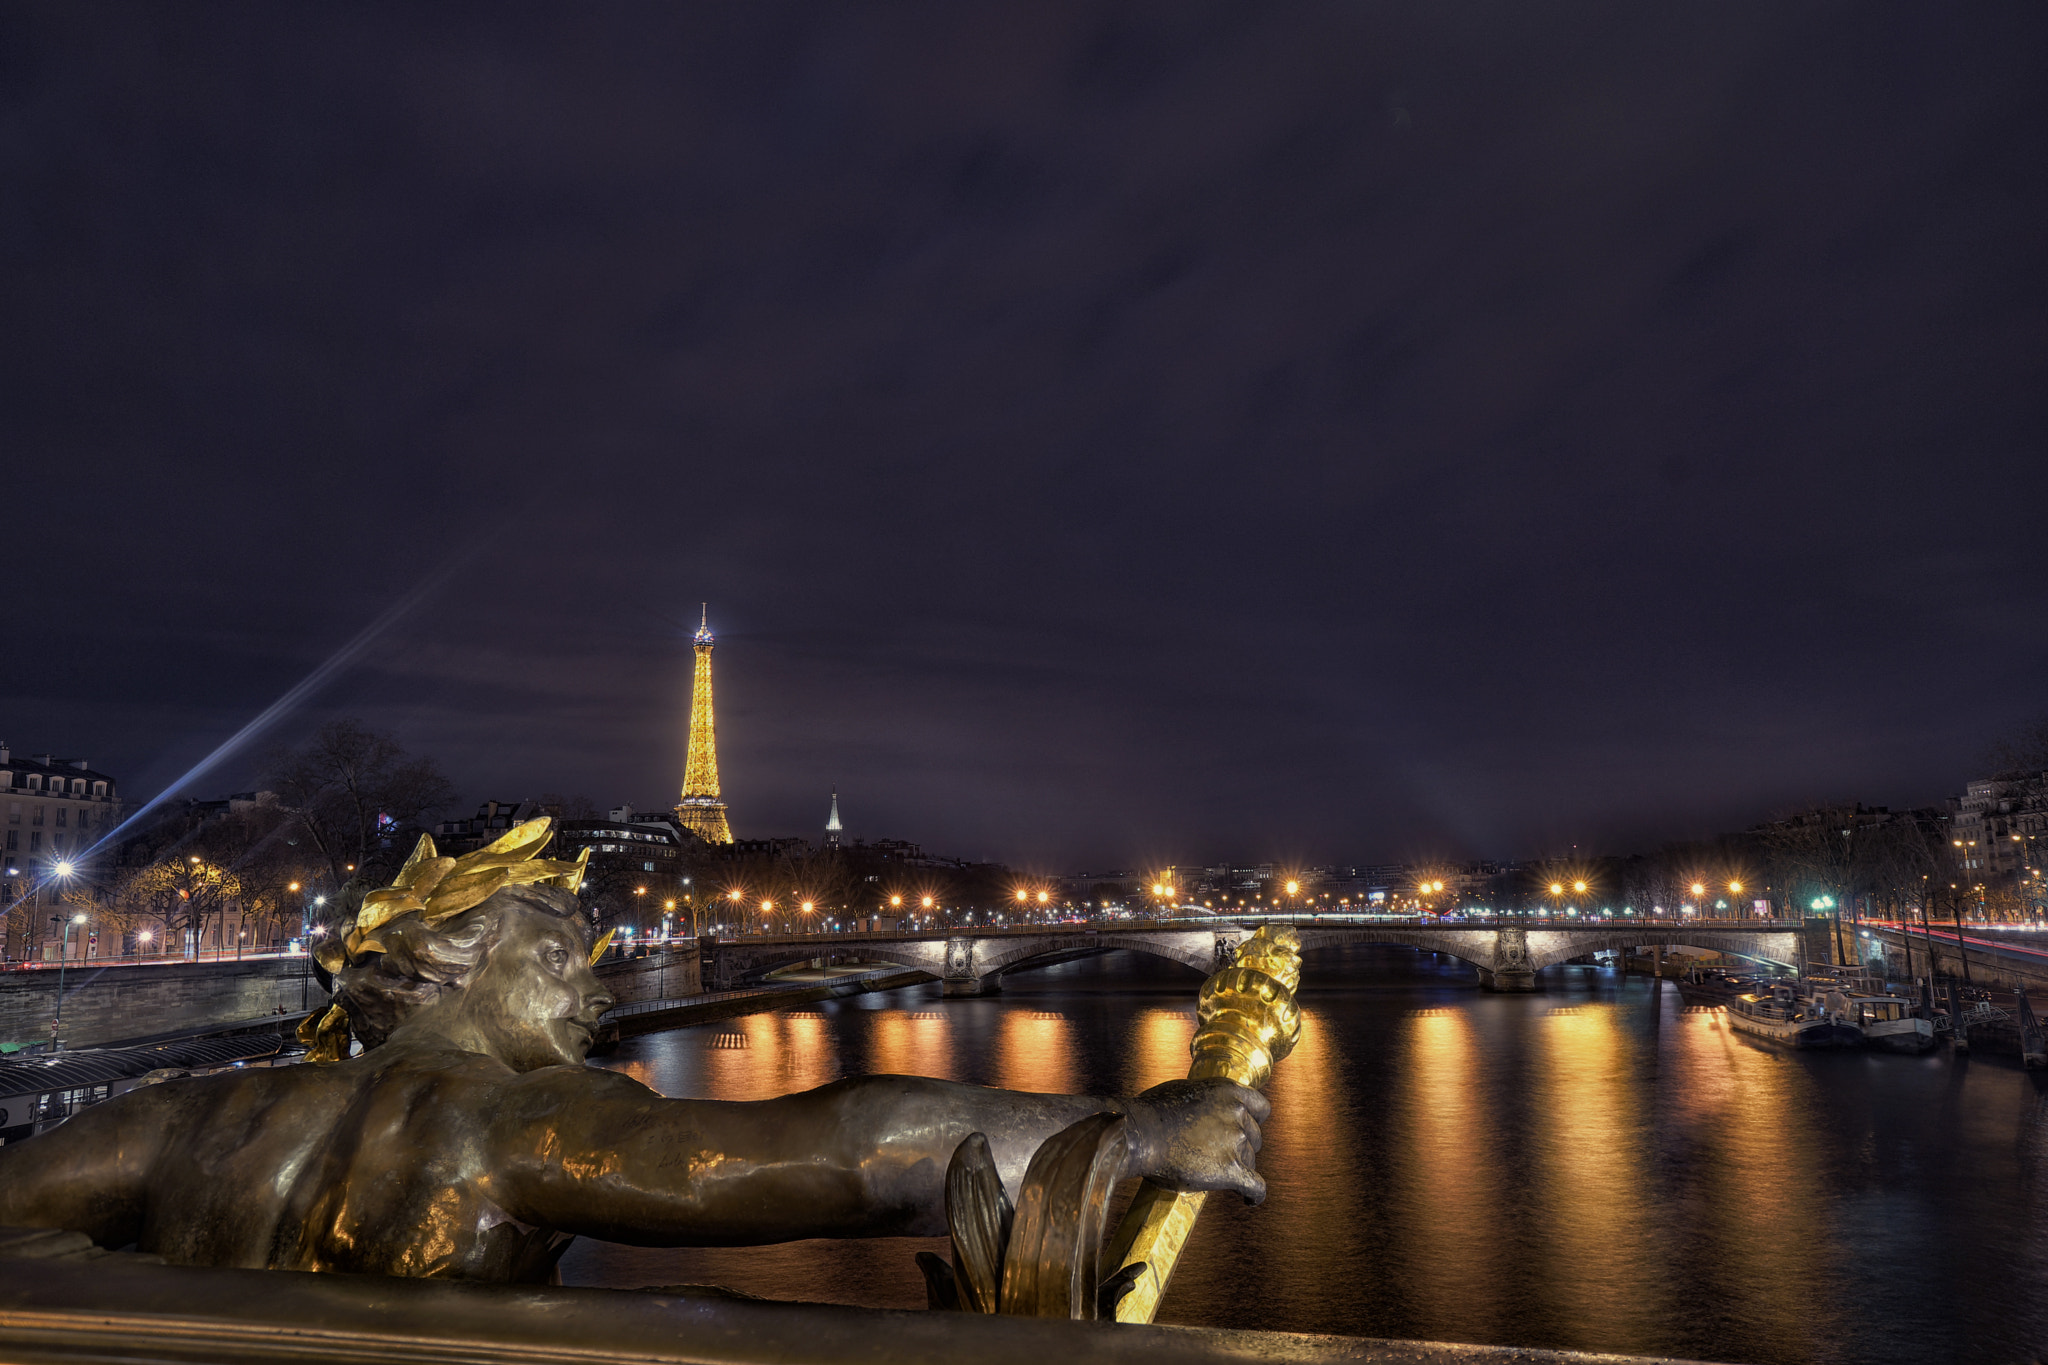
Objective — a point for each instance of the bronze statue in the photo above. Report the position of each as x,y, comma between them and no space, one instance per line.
468,1139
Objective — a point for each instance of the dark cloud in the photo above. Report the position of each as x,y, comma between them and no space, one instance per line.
1169,431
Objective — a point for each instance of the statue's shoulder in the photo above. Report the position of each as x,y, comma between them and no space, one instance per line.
568,1085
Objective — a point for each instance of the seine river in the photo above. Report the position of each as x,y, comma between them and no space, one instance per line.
1592,1167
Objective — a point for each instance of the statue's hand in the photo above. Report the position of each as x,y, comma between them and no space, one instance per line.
1199,1135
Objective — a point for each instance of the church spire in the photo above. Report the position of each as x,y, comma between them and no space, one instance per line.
832,825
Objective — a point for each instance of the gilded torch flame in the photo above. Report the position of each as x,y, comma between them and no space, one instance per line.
1248,1022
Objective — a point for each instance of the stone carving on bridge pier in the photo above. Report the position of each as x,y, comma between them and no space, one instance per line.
1512,969
1226,951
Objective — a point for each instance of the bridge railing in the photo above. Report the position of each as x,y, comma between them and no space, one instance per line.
1331,920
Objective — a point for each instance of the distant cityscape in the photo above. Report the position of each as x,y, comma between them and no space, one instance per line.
265,870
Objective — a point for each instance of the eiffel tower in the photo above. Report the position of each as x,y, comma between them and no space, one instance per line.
702,810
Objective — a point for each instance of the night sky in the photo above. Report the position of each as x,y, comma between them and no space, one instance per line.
1104,434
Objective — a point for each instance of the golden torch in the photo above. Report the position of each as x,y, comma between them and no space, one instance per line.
1247,1021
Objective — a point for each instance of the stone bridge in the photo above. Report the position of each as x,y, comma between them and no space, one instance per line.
1507,955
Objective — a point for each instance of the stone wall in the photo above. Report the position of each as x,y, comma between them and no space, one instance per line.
105,1004
668,974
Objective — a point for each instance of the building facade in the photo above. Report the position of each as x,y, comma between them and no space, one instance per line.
2000,825
56,811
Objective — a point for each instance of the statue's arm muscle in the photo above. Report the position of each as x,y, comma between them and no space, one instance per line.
90,1173
599,1154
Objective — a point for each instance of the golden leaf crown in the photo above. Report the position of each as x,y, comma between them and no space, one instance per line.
434,887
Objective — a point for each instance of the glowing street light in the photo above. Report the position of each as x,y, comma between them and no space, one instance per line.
63,957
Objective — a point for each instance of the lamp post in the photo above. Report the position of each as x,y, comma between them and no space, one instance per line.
306,942
63,955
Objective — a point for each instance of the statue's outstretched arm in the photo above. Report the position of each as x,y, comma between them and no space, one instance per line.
600,1154
93,1178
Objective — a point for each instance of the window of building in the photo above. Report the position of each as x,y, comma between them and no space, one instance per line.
13,840
85,819
35,817
57,842
35,841
62,813
35,782
99,789
647,867
14,812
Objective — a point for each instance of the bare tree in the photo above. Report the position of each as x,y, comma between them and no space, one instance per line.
2024,753
356,794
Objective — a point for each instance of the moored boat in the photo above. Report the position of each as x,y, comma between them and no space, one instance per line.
1891,1024
1779,1016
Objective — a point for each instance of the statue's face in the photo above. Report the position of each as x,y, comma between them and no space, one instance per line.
535,1000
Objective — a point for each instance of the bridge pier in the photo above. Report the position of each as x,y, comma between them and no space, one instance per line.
1511,970
962,979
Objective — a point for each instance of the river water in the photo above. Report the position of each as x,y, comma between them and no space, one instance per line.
1592,1167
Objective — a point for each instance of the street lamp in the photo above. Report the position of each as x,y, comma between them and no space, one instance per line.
63,957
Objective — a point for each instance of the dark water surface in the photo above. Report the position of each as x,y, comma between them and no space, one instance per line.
1591,1167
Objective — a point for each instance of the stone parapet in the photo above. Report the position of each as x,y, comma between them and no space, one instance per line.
106,1003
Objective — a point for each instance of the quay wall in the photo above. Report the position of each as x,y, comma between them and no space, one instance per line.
667,974
106,1004
1987,967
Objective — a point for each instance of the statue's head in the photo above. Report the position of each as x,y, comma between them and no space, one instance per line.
492,949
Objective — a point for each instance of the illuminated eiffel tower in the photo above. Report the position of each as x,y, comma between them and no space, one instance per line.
702,810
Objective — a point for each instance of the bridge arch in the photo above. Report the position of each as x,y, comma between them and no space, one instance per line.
995,957
1549,949
1474,947
741,963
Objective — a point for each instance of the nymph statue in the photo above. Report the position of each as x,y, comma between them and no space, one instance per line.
468,1139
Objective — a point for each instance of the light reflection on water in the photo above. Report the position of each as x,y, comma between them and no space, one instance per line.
1589,1167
